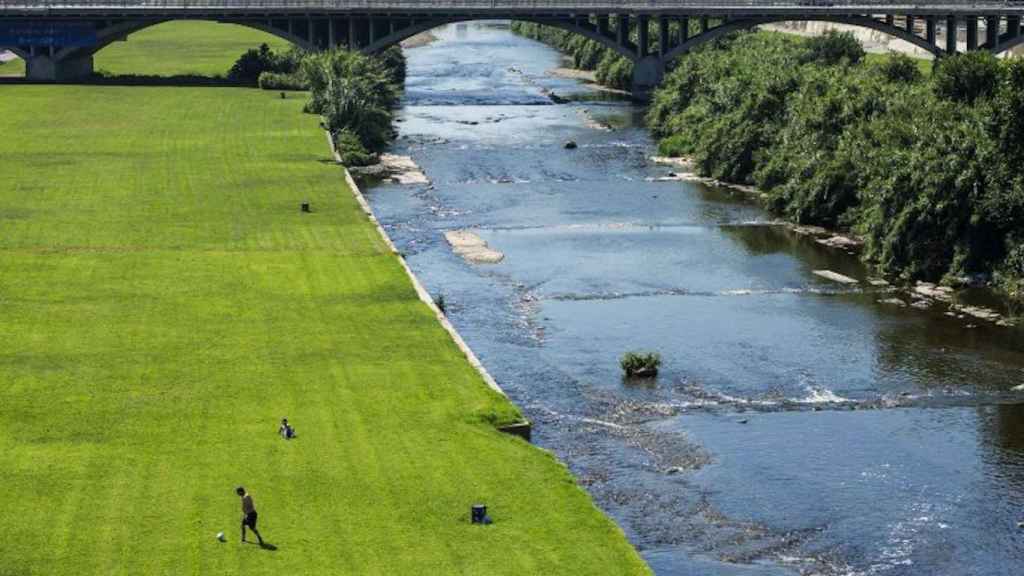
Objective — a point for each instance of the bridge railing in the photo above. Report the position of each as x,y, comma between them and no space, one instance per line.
492,5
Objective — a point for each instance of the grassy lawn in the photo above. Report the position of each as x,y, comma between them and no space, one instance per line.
194,47
14,67
163,303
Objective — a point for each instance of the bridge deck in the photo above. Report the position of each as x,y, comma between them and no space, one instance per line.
484,8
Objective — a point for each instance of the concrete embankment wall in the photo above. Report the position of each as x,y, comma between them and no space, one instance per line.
522,429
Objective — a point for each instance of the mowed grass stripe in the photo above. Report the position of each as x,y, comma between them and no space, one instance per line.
164,303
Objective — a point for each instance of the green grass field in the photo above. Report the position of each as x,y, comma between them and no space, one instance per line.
14,67
174,48
194,47
923,64
164,303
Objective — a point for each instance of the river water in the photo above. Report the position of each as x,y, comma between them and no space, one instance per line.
798,426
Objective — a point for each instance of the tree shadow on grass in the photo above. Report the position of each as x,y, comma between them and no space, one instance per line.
192,80
137,80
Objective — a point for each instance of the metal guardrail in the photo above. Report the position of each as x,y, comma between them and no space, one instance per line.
488,5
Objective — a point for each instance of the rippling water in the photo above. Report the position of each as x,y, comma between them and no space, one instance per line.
798,425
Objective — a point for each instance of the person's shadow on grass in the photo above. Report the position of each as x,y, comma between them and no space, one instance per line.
264,545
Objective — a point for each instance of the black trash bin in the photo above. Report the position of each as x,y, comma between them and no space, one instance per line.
478,513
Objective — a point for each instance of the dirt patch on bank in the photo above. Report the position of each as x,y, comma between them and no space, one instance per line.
419,40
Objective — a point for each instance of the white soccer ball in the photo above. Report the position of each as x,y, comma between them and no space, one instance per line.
220,536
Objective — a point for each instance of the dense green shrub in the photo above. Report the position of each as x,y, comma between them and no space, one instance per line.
393,60
352,151
283,81
354,93
612,69
899,67
256,61
967,77
833,48
615,71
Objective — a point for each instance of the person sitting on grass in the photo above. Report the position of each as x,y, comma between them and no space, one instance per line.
248,514
286,431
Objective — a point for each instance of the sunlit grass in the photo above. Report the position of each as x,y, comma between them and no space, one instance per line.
14,67
182,48
164,302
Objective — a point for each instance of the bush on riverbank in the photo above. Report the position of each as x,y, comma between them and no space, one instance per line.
922,168
611,68
256,61
353,92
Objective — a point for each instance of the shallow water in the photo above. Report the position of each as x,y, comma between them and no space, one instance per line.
797,426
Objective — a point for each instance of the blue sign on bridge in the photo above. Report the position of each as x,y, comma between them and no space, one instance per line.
47,34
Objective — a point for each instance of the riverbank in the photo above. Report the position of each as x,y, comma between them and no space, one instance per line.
419,40
920,295
167,302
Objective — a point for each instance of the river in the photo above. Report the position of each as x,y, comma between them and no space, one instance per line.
798,426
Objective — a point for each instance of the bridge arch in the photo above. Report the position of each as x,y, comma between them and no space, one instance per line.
122,30
398,36
747,23
1008,44
17,52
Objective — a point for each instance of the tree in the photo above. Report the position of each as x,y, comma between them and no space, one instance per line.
353,93
833,48
967,77
899,67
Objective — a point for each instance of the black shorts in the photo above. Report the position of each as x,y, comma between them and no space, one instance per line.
250,520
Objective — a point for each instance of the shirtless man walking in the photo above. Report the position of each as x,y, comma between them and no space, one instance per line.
248,514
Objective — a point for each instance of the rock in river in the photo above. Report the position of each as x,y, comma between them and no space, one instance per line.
472,247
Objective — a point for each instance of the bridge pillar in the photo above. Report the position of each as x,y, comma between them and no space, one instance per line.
952,30
972,33
1013,26
704,24
623,29
43,68
602,25
684,29
647,75
992,31
664,38
929,30
909,21
643,36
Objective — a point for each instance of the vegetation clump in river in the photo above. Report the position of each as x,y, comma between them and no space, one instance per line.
640,364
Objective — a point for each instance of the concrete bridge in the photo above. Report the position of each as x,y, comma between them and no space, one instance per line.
57,38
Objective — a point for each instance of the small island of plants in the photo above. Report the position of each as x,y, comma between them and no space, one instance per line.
640,364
